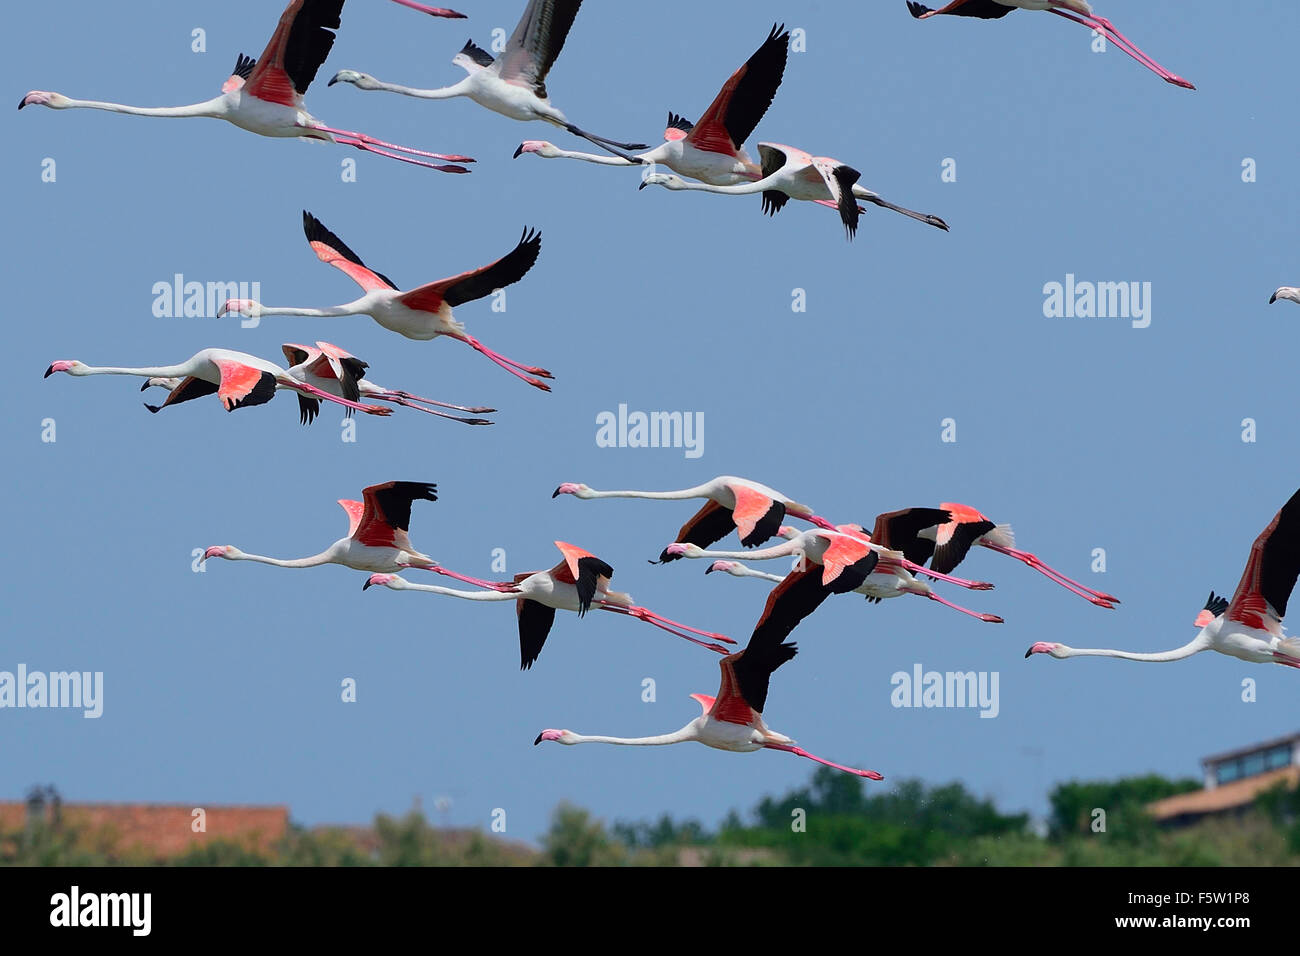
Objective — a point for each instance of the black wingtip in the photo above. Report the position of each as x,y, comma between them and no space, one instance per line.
917,10
152,408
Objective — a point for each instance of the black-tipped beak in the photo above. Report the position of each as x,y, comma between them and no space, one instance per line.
518,152
333,79
366,586
22,102
709,569
554,494
643,185
143,388
538,740
1271,299
1029,653
48,372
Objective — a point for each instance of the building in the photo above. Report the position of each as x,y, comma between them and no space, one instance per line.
1233,780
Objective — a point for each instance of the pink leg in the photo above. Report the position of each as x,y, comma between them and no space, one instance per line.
472,409
617,609
1100,598
432,11
1104,26
799,751
940,576
371,141
315,392
646,614
986,618
816,520
504,363
477,582
429,411
1284,660
401,159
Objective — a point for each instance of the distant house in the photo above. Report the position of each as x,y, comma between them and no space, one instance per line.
1233,780
149,831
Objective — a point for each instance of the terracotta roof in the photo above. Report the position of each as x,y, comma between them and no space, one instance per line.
160,830
1223,797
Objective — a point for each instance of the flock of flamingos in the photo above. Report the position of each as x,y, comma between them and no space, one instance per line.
902,553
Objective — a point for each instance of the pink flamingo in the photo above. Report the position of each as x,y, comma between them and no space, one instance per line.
265,96
334,370
1249,627
422,313
1080,11
753,510
949,543
579,582
377,538
733,720
238,379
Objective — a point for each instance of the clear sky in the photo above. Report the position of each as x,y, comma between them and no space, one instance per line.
224,687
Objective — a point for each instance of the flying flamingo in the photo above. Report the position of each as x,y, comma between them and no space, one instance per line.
790,173
711,150
753,510
733,720
377,538
1286,292
949,543
265,96
1249,627
888,575
422,313
515,84
579,582
238,379
332,370
1080,11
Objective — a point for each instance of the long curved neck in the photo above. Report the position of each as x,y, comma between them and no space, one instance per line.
699,491
590,158
739,189
762,554
441,93
211,108
352,308
312,561
154,371
677,736
1199,643
463,595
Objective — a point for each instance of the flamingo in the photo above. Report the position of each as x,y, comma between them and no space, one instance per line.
422,313
238,379
578,583
711,150
331,369
1285,292
754,510
1249,627
733,720
1080,11
377,538
265,96
515,84
790,173
888,575
949,543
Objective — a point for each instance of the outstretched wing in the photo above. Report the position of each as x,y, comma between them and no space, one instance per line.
387,516
331,250
707,526
587,573
536,41
477,283
299,46
983,9
189,389
901,531
744,98
1271,571
242,385
535,621
757,516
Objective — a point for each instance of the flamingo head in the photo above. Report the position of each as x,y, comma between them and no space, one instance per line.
362,81
728,566
167,383
788,532
539,146
248,307
227,551
1286,292
570,488
380,580
1046,647
71,366
559,736
55,101
679,550
667,180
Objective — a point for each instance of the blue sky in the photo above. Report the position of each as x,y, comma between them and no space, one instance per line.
224,687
